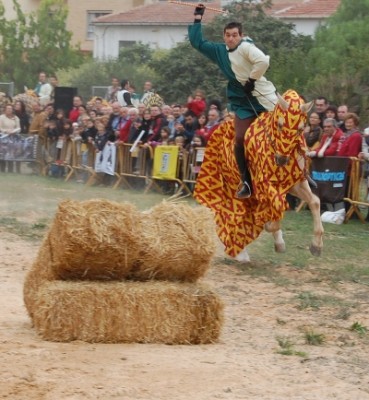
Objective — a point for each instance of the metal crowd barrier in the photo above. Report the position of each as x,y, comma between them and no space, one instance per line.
358,193
154,168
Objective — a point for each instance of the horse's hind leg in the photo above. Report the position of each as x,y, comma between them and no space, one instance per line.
279,244
274,227
303,192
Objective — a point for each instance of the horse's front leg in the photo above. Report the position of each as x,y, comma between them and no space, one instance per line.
303,192
274,227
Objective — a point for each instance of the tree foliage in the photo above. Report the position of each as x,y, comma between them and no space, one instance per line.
100,73
34,42
339,61
182,69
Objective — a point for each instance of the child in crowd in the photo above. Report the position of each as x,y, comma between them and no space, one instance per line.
197,104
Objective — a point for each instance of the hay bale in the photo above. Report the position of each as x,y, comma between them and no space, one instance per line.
39,273
177,243
114,312
94,239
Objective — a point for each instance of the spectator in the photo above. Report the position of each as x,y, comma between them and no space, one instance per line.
190,126
74,113
179,130
43,89
124,132
330,139
101,137
135,98
88,135
313,131
320,106
364,155
197,141
350,143
53,80
146,125
177,117
123,120
60,118
112,91
180,141
124,95
98,106
49,116
167,110
202,121
147,92
9,125
158,121
54,146
114,118
163,138
214,117
365,147
215,104
20,112
135,130
37,119
197,103
141,109
342,110
331,112
92,114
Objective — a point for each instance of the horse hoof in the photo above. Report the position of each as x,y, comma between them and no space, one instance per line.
280,248
315,250
243,257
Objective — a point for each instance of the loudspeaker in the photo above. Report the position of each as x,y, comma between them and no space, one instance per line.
64,98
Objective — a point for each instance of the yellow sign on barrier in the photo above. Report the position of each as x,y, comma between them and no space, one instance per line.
165,162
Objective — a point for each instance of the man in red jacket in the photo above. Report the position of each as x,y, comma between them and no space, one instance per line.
330,139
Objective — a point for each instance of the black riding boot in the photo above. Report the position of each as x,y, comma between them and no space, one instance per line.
246,189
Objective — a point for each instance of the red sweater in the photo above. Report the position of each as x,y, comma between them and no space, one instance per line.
351,145
74,114
124,131
197,106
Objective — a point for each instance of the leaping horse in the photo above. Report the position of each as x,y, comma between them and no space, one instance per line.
275,147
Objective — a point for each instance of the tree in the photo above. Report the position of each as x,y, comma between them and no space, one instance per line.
181,70
339,60
34,42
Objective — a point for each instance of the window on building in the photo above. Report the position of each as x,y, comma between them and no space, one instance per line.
91,16
123,44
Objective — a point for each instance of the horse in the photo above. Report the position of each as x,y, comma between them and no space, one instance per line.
275,149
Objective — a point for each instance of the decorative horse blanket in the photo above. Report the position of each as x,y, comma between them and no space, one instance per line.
239,222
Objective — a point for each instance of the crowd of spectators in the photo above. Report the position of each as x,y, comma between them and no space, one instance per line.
122,116
334,131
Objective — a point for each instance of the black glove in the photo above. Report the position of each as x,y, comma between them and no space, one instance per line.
199,10
249,86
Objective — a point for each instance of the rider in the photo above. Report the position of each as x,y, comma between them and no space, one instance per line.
248,91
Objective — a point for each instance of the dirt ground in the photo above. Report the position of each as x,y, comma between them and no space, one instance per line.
244,364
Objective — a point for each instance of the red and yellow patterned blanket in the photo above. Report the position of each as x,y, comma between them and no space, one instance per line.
239,222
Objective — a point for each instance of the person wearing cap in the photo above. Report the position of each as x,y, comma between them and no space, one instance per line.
249,92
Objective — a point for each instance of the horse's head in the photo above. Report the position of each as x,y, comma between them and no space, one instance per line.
288,122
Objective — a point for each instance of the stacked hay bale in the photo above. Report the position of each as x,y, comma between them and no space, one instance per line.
109,273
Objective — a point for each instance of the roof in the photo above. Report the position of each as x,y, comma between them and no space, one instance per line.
166,13
162,13
306,9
